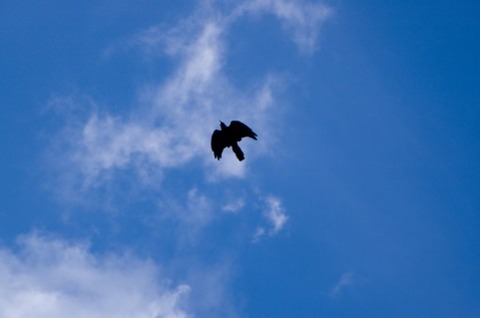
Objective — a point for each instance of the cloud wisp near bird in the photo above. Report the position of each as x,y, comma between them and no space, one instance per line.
229,136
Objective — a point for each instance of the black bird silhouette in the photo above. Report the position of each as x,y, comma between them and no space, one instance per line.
229,136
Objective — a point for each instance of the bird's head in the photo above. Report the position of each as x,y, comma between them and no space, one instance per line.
222,125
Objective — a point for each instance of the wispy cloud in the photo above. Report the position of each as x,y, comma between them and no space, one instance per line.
302,20
168,128
276,216
234,206
190,214
258,234
346,279
175,118
52,278
179,118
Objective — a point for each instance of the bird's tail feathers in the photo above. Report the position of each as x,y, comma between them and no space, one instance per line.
238,152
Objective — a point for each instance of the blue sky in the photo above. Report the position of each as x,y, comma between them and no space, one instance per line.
359,199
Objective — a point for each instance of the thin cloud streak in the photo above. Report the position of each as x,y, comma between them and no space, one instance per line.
259,233
347,279
276,216
234,206
302,20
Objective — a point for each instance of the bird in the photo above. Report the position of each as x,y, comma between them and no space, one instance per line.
229,136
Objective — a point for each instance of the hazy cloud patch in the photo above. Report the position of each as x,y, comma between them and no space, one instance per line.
346,280
190,215
275,215
234,206
302,20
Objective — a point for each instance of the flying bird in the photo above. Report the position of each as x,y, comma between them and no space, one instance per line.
229,136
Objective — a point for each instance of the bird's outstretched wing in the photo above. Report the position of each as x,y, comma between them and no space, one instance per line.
218,143
240,130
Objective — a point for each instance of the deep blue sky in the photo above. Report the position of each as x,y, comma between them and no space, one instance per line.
361,197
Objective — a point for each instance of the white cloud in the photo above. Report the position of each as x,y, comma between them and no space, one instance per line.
170,127
172,121
346,279
259,233
175,118
51,278
234,206
275,213
106,143
276,217
175,124
302,20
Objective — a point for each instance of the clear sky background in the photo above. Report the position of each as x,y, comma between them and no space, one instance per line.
361,197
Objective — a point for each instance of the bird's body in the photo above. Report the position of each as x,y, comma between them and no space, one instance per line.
229,136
